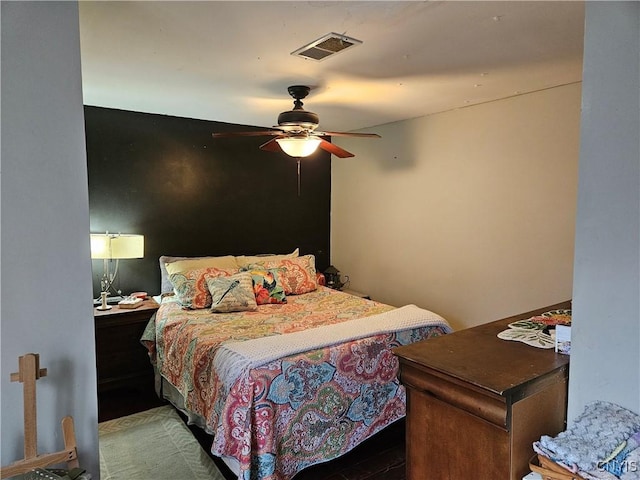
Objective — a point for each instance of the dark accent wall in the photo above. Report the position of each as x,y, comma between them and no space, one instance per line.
188,194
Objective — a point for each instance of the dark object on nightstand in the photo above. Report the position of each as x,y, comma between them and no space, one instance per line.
333,280
121,360
476,403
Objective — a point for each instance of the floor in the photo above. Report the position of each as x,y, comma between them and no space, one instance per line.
379,458
125,401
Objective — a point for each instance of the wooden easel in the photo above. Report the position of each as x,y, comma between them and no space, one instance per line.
29,371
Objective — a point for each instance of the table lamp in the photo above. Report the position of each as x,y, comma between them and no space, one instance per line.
109,246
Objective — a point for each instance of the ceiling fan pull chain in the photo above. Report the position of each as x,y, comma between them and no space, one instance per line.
298,177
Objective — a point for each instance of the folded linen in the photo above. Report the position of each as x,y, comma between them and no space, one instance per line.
631,466
233,358
592,437
617,462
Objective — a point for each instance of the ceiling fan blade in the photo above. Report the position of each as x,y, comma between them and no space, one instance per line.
348,134
336,150
271,146
246,134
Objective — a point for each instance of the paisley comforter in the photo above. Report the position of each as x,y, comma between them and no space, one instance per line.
292,412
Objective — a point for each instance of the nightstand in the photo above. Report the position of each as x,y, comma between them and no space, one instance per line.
121,360
357,294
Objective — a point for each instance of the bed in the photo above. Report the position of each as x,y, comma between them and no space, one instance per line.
290,382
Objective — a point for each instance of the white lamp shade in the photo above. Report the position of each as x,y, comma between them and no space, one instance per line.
116,246
298,146
100,245
127,246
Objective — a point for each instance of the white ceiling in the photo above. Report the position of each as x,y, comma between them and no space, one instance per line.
230,61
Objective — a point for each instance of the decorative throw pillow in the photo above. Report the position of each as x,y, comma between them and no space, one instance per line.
245,261
232,294
266,286
190,263
191,285
297,275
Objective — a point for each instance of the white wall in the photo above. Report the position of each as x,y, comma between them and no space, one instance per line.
46,293
605,359
469,213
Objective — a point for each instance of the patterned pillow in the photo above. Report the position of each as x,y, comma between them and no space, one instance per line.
191,285
245,261
297,275
169,265
232,294
266,286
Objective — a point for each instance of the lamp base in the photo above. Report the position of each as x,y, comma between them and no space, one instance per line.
111,300
103,304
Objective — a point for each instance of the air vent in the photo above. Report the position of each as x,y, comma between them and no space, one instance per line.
326,46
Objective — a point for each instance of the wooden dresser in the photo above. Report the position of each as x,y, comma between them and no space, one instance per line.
476,403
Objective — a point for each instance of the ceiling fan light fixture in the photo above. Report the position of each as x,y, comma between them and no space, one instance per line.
298,146
296,133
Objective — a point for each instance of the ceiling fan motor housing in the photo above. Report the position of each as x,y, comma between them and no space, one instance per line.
298,116
303,118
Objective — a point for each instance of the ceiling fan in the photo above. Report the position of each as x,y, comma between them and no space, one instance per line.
296,133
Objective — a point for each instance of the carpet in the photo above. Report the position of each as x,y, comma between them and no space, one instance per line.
152,445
